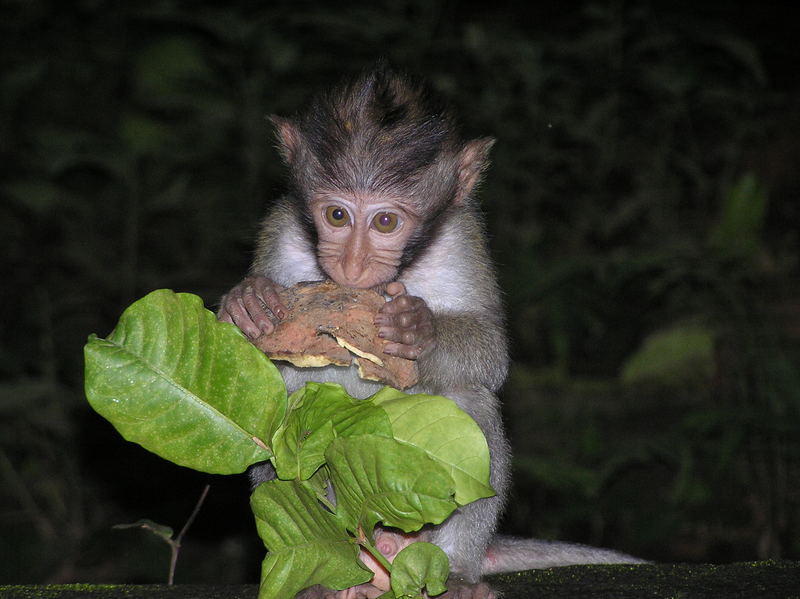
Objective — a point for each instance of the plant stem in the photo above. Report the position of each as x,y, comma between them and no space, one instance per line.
374,552
175,544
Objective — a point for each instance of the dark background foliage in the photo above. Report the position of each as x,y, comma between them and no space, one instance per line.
641,204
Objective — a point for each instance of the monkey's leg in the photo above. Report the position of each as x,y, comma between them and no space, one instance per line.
389,542
466,534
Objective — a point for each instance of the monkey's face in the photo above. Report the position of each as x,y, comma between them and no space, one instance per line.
361,237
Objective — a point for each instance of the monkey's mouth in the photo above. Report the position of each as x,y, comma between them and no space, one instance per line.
380,288
362,282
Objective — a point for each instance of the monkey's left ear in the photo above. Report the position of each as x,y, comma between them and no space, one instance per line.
472,160
288,138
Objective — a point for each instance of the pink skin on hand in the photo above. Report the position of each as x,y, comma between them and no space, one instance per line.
389,543
251,305
406,323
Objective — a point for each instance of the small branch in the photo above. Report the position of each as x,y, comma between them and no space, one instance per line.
175,544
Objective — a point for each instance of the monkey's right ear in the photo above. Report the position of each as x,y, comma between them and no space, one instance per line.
472,161
288,138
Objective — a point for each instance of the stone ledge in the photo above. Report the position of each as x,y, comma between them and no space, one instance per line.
748,580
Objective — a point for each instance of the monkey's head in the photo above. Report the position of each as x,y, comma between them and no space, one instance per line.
376,165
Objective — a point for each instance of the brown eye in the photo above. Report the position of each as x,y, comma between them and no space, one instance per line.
337,216
385,222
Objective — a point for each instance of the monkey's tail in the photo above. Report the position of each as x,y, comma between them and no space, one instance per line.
511,554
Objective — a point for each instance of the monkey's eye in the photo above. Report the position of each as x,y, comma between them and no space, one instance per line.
385,222
337,216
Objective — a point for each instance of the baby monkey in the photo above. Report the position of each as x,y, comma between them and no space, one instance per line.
381,195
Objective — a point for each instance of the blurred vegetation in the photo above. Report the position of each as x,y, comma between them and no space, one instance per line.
641,205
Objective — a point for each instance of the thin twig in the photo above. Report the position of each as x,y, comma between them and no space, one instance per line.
175,544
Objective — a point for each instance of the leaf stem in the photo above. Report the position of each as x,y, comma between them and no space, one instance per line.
374,552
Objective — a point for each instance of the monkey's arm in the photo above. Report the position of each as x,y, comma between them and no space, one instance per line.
469,351
466,347
283,257
453,350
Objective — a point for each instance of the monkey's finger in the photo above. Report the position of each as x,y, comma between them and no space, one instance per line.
395,288
267,291
223,315
417,318
390,333
405,328
410,328
257,311
233,310
408,341
406,311
394,321
402,350
403,303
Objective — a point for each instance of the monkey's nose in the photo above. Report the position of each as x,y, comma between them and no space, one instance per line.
352,270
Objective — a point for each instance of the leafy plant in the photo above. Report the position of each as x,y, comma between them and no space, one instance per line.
194,391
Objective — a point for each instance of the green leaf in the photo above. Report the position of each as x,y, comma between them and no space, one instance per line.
318,414
437,426
193,390
160,530
739,232
307,544
419,566
679,353
383,480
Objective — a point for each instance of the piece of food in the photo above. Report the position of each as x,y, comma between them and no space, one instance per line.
330,324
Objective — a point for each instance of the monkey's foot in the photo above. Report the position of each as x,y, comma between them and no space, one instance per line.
463,590
363,591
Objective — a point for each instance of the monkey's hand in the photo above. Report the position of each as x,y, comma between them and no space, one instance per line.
389,544
406,323
252,305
